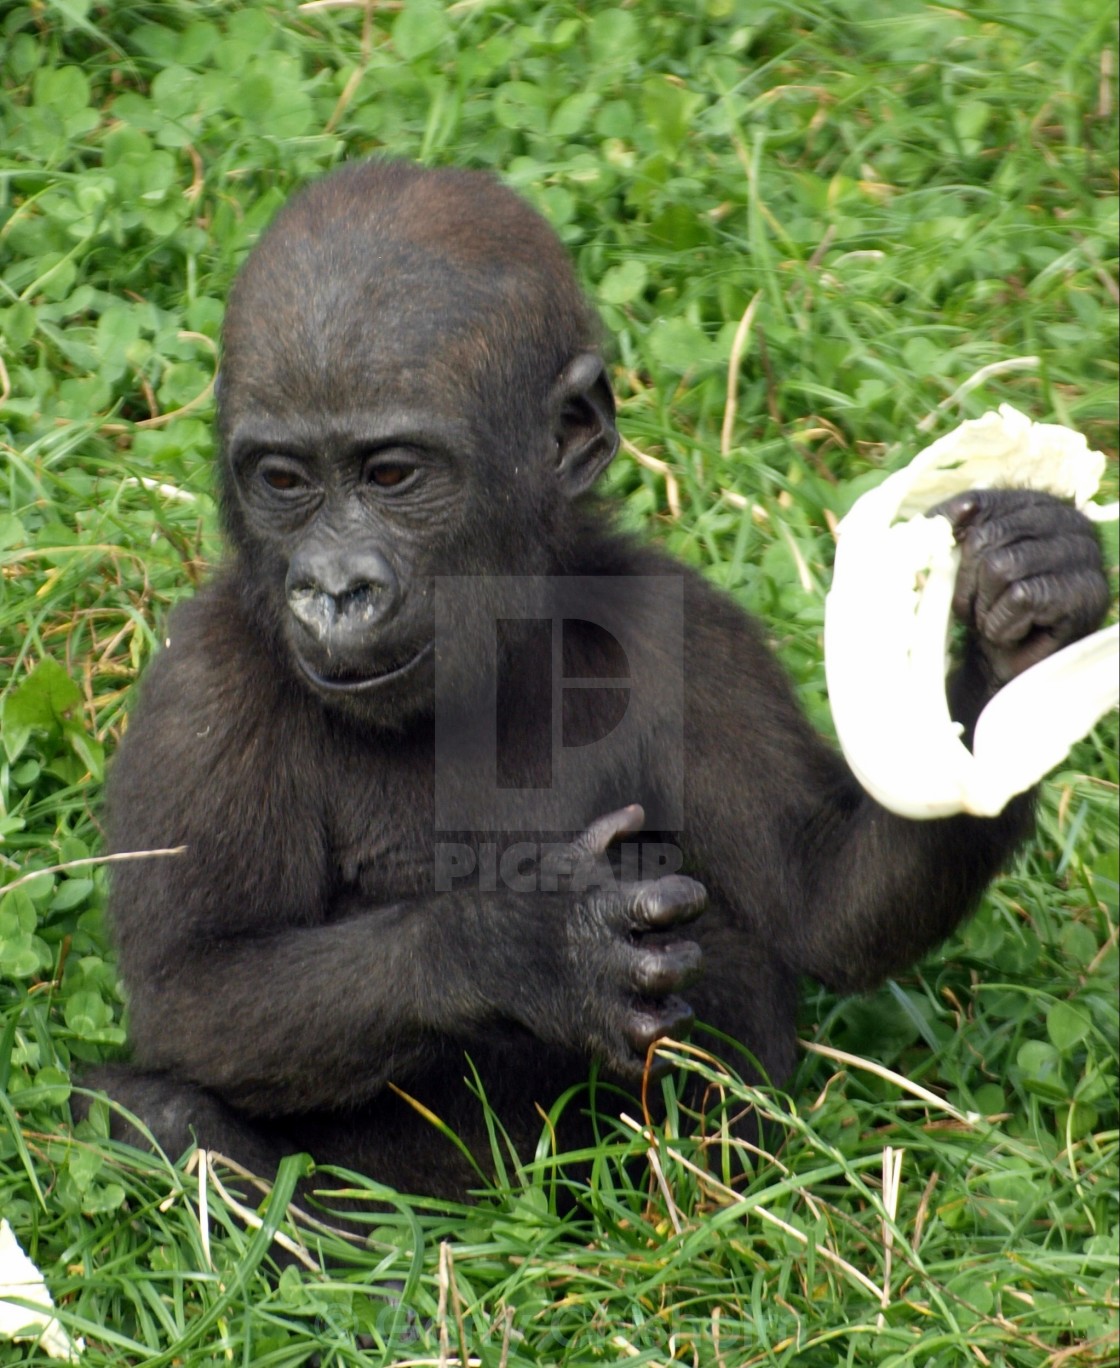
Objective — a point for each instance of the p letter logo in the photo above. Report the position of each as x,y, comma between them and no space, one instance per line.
571,689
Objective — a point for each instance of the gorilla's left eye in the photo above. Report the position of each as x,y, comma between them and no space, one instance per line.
389,474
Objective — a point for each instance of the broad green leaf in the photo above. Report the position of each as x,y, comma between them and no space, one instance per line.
620,284
419,28
87,748
680,346
87,1013
1066,1026
1041,1065
614,36
71,893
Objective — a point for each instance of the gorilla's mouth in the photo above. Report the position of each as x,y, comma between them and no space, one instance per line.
350,681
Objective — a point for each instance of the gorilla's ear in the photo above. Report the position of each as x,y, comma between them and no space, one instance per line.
583,408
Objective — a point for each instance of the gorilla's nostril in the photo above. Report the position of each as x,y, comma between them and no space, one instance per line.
334,616
316,610
341,590
364,603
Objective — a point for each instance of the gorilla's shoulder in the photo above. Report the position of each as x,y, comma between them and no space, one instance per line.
216,615
212,659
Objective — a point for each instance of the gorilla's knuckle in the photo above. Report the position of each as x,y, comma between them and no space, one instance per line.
667,969
652,973
1005,563
687,891
1088,598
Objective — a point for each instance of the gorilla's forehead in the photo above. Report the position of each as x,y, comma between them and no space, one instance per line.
377,302
376,333
262,423
383,382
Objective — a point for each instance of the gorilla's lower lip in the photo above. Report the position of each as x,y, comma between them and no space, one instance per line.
356,683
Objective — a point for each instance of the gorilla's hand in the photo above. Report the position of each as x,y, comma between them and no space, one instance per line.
624,979
1030,579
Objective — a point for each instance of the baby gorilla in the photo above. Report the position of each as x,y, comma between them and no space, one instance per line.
461,770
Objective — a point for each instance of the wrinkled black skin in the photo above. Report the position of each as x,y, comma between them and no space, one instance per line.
297,959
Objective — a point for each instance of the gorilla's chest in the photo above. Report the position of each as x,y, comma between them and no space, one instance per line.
380,836
406,814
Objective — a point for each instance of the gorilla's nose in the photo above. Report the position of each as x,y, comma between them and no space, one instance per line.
340,597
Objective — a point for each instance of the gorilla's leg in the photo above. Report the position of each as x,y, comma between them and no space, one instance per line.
179,1115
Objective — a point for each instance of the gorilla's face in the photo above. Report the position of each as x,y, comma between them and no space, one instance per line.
394,407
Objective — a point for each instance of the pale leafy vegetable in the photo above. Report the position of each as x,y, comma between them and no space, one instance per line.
887,627
19,1278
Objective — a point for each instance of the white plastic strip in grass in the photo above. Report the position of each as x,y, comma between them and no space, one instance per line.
21,1281
887,629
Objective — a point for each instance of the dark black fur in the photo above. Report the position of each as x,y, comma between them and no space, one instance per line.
411,388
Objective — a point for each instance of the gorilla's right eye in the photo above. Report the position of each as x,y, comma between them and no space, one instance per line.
281,476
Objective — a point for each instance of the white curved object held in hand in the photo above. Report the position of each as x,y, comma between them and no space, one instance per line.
887,621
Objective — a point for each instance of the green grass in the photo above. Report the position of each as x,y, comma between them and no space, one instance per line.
911,193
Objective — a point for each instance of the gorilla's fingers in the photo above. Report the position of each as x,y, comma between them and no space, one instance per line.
667,968
591,845
604,831
1063,606
1030,578
648,1022
674,900
961,510
993,512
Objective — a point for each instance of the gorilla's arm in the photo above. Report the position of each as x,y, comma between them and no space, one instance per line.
869,892
252,974
335,1011
880,890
